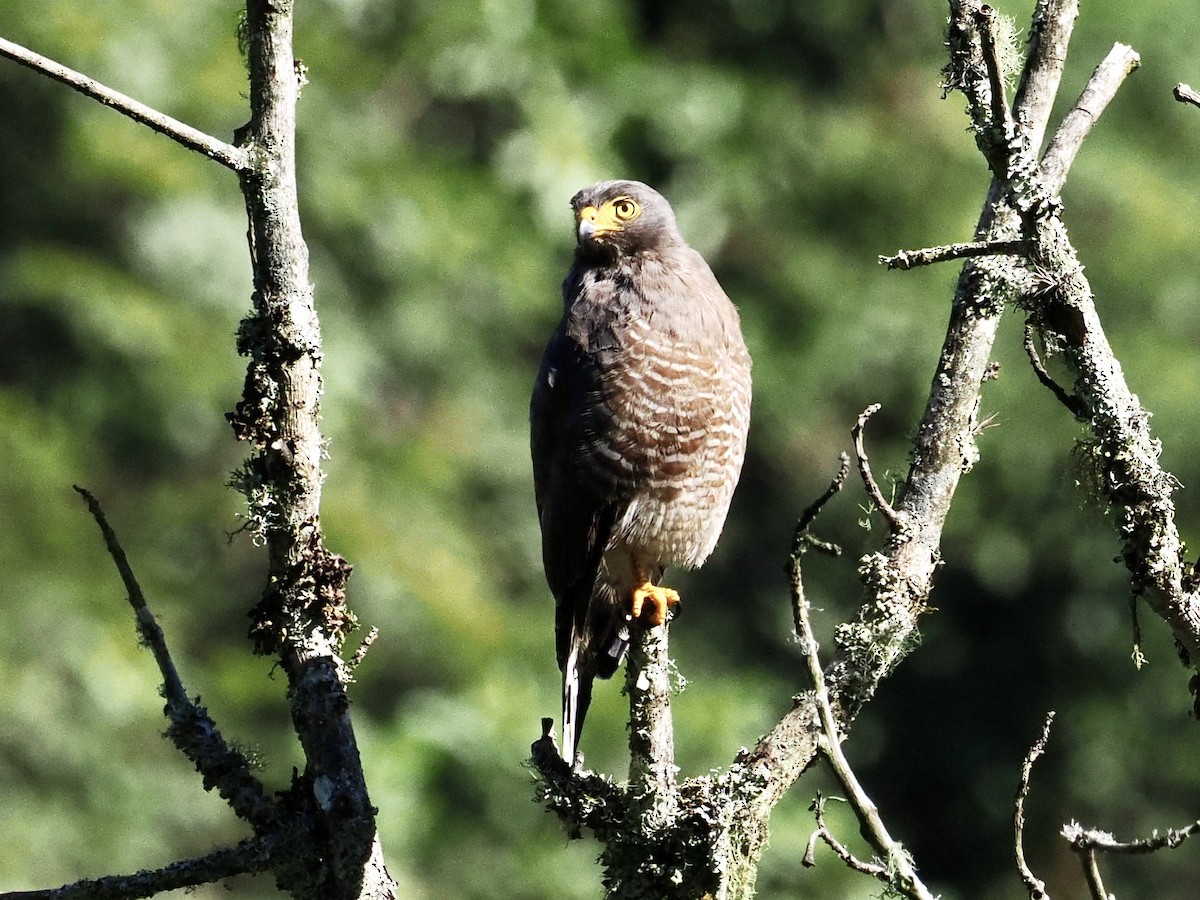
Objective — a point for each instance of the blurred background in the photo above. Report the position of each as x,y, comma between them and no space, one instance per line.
439,145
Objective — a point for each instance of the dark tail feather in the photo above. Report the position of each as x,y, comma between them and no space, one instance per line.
577,697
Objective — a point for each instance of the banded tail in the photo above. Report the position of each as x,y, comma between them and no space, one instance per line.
580,669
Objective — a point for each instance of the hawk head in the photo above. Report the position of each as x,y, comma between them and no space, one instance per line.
615,218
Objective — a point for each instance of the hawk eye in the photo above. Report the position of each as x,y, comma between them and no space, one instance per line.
625,209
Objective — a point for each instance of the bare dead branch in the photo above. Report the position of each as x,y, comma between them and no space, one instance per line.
247,857
898,870
651,734
1070,401
361,653
1002,120
1121,62
1185,93
1049,35
231,157
822,833
147,624
192,730
801,538
1034,885
911,259
864,469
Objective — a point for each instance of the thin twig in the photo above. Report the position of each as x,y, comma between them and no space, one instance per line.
1121,62
1070,401
985,20
910,259
898,871
801,539
1138,657
864,469
1185,93
148,626
226,154
192,730
822,833
361,653
1049,35
1080,837
1035,886
252,855
1091,874
1088,843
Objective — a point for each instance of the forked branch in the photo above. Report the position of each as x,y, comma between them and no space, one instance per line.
1089,843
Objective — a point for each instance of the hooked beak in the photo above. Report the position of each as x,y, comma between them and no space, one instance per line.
595,223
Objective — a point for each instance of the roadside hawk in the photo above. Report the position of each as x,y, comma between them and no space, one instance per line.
638,429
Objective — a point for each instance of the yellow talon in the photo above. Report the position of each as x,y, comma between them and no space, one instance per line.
660,598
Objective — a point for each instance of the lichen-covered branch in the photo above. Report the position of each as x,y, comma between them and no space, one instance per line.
1089,843
928,256
899,578
319,837
1123,454
651,737
303,614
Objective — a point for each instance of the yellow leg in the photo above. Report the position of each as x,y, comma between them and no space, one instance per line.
660,598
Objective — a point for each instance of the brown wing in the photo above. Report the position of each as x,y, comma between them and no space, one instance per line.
576,511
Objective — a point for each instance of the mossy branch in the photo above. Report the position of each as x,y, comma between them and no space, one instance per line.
319,837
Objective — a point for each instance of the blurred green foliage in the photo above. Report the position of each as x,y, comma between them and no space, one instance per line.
439,145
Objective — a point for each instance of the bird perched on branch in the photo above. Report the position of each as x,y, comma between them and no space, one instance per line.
638,430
